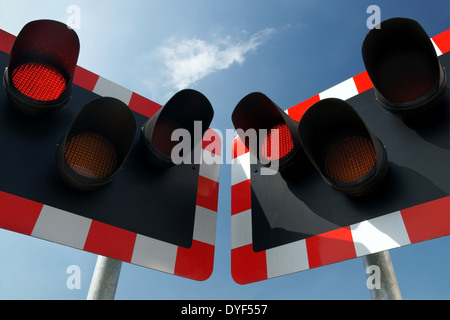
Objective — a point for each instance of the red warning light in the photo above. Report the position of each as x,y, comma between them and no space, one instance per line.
41,67
273,151
277,143
39,81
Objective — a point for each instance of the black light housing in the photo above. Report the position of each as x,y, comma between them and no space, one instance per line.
180,112
41,66
341,147
258,112
403,66
97,144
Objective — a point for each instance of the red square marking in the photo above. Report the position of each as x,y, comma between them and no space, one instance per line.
241,198
85,78
248,266
363,82
442,40
330,247
296,112
207,193
143,105
110,241
18,214
6,41
195,263
238,148
427,221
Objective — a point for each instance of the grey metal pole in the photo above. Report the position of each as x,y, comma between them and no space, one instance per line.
105,278
387,287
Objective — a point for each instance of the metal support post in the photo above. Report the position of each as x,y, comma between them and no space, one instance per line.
105,278
382,286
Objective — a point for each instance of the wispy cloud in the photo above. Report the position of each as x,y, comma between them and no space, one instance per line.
187,61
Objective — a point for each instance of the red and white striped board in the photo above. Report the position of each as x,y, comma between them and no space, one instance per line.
45,222
410,225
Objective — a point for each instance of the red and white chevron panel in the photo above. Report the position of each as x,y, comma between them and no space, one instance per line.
423,222
53,224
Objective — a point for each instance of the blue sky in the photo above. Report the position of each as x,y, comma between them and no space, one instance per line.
290,50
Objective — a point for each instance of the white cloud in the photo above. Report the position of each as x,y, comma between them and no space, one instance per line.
187,61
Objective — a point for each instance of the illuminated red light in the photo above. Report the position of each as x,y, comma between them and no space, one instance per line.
281,147
39,81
